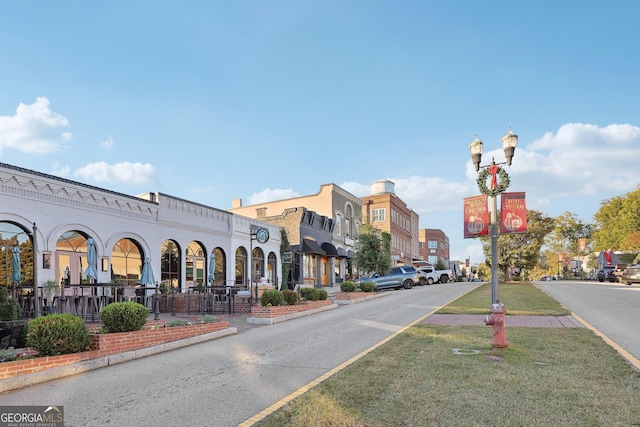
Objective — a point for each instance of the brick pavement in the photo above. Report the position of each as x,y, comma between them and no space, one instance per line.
523,321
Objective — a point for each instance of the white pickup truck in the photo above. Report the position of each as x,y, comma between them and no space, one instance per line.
428,275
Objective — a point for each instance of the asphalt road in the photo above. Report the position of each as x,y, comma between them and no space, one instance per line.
612,308
226,381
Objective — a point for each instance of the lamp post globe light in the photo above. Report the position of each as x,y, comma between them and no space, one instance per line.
509,142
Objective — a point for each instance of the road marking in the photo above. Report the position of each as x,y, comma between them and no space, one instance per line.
624,353
271,409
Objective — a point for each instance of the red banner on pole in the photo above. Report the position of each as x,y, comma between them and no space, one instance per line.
476,216
513,213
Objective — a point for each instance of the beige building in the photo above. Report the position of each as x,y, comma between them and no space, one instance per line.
322,229
384,210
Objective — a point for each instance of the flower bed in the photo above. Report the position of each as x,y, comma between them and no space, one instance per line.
283,310
108,344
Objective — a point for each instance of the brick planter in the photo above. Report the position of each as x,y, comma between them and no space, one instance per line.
108,344
284,310
353,295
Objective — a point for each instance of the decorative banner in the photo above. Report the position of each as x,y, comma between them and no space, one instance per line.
476,216
513,213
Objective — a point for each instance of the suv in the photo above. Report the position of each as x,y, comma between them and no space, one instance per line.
398,277
608,272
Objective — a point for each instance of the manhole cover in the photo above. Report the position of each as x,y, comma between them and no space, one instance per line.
464,351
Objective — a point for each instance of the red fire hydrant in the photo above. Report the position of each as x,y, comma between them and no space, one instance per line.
496,320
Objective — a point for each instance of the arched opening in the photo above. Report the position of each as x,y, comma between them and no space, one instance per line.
195,262
170,265
220,270
272,273
13,236
257,265
241,266
71,258
126,262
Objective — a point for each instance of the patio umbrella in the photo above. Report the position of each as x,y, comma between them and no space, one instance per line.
147,273
92,260
212,268
16,276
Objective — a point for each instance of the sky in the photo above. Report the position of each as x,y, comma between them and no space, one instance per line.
213,101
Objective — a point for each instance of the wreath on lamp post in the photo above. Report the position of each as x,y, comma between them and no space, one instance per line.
502,184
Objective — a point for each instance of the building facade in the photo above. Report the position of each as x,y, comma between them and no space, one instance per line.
51,219
384,210
434,246
330,218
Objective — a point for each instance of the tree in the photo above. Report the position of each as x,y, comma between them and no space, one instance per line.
373,250
617,222
284,247
521,250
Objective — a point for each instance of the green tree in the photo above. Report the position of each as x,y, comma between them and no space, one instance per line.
284,247
521,250
373,250
617,222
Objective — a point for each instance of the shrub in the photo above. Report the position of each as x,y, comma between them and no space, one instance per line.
7,355
177,322
348,286
272,297
208,319
9,310
290,297
124,317
58,334
310,294
322,294
367,287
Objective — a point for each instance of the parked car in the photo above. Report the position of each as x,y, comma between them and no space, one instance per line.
631,275
547,278
398,277
608,272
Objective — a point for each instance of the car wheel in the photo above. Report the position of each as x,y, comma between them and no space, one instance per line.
600,280
444,278
422,281
408,284
430,281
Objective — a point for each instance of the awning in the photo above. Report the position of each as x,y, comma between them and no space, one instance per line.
311,247
329,249
351,254
342,253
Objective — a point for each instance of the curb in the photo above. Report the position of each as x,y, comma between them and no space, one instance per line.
22,381
362,299
272,320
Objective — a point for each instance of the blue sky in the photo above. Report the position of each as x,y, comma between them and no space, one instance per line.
260,100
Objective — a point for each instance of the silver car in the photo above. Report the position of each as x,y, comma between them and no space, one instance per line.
631,274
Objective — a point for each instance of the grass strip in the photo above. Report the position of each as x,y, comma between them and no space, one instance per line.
434,375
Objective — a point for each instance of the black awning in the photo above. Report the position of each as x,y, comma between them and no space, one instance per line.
342,253
311,247
329,249
351,254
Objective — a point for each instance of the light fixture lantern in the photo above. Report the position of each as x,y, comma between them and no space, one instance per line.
476,152
509,142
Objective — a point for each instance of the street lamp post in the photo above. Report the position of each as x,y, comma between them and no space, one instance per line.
509,142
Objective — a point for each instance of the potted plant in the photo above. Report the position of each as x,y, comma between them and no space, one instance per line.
50,290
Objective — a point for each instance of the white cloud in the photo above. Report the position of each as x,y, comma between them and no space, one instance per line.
269,195
61,171
34,129
123,172
107,144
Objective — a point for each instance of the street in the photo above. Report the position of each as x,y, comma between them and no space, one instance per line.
225,381
612,308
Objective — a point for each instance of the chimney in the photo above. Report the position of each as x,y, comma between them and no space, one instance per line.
236,203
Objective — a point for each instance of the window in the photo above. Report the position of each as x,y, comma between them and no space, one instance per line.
338,225
432,244
378,215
